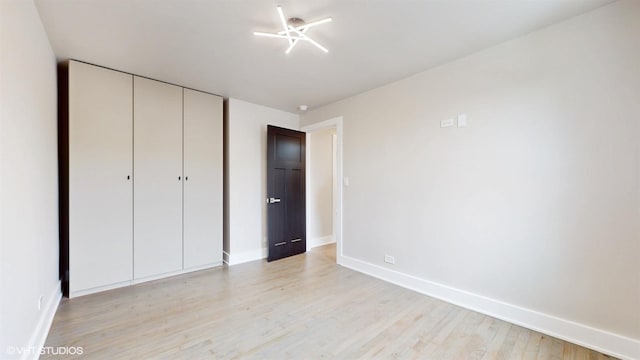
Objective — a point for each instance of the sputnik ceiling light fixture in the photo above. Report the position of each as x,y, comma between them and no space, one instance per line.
294,30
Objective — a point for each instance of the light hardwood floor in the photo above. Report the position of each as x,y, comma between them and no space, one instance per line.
304,307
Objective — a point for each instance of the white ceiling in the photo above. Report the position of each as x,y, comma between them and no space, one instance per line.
209,45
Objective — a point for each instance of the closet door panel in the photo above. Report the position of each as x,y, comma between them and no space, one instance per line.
203,178
100,169
157,178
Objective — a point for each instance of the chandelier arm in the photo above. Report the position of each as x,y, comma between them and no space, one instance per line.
294,38
295,41
309,39
284,25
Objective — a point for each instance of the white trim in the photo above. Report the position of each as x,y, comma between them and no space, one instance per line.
175,273
320,241
334,184
307,186
94,290
581,334
326,124
245,256
40,333
77,293
201,267
337,226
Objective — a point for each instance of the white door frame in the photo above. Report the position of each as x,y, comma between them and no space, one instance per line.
337,191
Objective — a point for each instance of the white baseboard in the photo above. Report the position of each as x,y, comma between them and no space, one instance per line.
40,333
584,335
83,292
311,243
76,293
175,273
245,256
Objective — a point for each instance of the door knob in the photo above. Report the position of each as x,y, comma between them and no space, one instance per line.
273,200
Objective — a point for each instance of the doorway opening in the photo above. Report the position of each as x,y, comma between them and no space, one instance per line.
324,185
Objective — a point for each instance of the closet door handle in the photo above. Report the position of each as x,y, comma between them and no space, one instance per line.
179,178
128,177
186,178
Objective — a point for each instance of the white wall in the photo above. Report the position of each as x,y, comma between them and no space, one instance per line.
320,175
536,203
28,178
246,177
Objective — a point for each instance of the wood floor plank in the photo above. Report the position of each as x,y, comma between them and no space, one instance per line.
303,307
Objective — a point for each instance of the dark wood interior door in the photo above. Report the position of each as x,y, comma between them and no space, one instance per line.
286,218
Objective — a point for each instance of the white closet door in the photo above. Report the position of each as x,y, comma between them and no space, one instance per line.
157,177
100,167
203,179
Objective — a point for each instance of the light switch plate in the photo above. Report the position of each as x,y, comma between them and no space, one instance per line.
446,123
462,120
